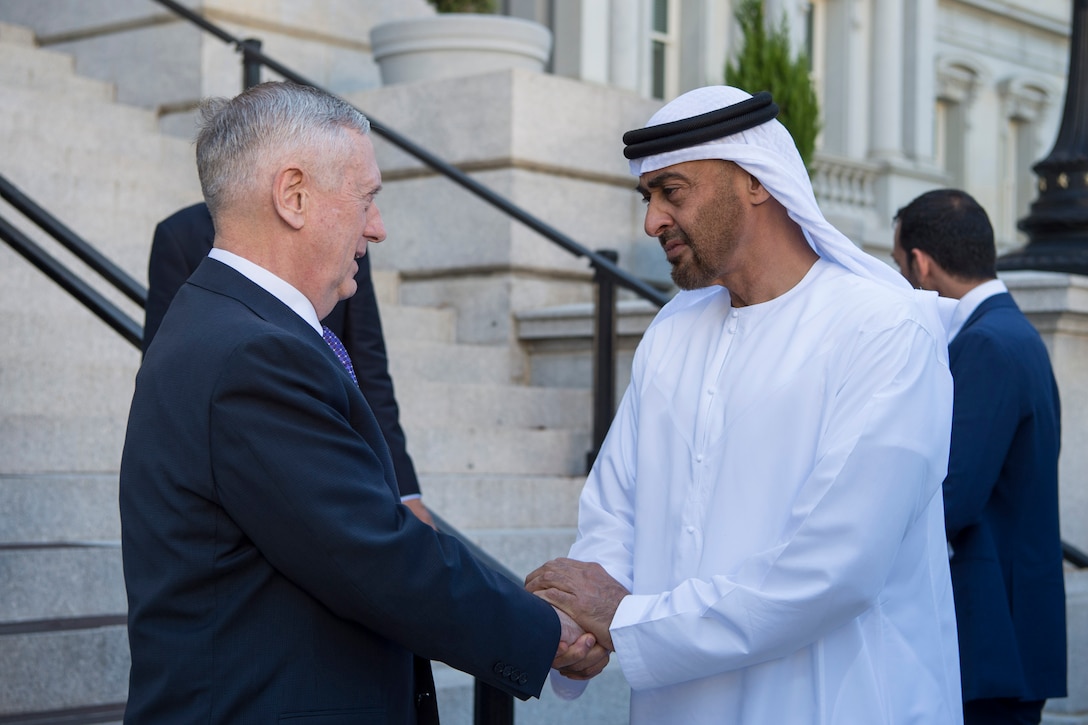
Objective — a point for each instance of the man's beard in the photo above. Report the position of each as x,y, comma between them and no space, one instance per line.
693,272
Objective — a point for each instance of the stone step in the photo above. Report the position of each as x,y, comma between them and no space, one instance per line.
73,198
427,404
101,387
26,66
16,35
411,360
23,281
54,670
498,450
523,550
72,194
82,441
116,217
61,329
55,308
503,501
136,159
89,440
58,582
53,121
48,508
417,323
450,428
386,283
96,665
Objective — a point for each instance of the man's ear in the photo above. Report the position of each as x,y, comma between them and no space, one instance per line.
924,266
756,191
291,196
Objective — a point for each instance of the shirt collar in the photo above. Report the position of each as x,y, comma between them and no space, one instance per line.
970,302
271,284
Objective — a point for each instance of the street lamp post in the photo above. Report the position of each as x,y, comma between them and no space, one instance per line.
1057,225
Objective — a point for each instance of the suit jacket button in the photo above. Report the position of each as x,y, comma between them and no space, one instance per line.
507,670
498,668
524,679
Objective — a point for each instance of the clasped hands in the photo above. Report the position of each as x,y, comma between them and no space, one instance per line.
586,598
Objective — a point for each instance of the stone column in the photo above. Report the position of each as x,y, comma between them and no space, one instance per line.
886,142
919,59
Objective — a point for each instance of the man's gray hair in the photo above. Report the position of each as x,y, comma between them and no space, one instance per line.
240,137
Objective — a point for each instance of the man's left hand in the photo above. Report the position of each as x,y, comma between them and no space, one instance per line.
415,505
583,590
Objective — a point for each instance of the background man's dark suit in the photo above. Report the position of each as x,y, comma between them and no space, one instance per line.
257,490
181,242
1001,508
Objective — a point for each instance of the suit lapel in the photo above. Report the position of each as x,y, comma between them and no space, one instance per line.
223,279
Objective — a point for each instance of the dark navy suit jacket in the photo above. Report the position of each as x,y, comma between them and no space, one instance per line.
1001,508
272,575
181,242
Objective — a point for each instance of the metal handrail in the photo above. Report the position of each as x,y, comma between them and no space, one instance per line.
73,243
1074,556
57,271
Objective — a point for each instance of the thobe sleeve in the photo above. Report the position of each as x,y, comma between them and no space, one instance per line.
881,456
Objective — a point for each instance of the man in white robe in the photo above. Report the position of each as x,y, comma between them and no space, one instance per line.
761,539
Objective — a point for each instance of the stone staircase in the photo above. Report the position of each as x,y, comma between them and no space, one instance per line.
503,462
105,171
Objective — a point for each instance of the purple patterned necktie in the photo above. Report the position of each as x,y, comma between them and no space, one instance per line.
341,352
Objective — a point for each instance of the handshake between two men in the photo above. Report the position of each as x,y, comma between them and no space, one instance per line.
586,599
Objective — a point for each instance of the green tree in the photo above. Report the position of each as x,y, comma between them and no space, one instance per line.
766,63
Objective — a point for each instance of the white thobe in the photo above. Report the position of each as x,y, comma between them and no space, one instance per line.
770,493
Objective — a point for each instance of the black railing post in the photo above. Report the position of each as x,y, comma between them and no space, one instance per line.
491,706
604,354
251,63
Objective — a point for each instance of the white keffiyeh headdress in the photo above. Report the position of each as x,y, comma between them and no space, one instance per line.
768,152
